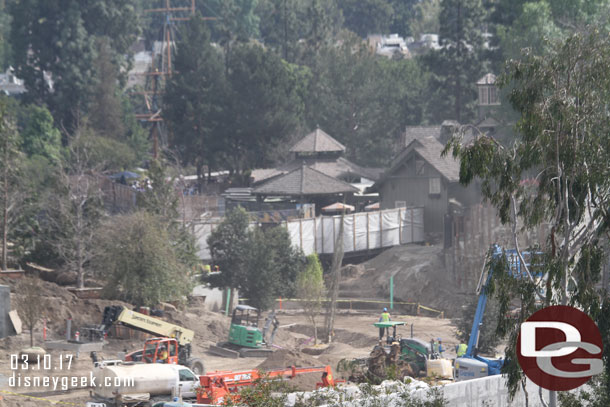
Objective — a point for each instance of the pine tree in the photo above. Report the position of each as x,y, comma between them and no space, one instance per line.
193,99
457,66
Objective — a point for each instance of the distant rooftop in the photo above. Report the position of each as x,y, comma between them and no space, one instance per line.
317,141
303,181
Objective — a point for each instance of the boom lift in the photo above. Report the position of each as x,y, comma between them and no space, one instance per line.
217,387
175,339
471,365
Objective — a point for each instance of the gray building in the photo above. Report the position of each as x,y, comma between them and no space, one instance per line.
419,177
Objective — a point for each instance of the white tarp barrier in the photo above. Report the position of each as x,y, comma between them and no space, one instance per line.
202,231
361,231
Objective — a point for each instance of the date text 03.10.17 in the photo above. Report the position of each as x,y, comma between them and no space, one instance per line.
41,362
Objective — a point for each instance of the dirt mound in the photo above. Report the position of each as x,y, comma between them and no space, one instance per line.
285,358
419,274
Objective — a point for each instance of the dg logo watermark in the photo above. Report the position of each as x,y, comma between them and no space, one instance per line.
560,348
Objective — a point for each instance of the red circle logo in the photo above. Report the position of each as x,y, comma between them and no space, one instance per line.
559,348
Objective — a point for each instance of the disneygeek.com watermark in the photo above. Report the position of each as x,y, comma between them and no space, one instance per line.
67,382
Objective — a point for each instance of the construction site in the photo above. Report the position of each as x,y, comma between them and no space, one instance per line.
228,349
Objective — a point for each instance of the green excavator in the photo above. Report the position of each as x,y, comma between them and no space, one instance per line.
246,339
394,355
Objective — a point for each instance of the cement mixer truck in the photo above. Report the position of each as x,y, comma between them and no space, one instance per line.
122,384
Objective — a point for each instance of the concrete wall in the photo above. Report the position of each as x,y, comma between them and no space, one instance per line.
490,391
6,327
214,297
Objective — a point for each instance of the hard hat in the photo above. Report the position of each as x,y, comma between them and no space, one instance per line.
385,310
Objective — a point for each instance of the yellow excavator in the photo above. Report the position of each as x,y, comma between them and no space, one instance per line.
171,339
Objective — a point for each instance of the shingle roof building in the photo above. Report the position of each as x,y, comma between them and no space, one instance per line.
430,149
321,152
304,181
317,142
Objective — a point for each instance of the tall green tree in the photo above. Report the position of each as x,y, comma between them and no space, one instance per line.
324,22
10,162
263,106
194,98
228,245
53,44
362,100
106,116
367,16
534,29
261,264
137,260
425,18
5,29
282,24
39,137
310,289
161,200
236,20
404,11
457,66
562,97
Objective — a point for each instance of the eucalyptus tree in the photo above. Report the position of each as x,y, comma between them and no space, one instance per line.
563,148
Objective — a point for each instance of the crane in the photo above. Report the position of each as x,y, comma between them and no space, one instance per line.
471,365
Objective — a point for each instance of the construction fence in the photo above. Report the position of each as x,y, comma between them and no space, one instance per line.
361,231
355,304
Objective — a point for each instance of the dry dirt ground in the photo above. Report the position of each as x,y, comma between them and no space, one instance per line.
418,275
354,336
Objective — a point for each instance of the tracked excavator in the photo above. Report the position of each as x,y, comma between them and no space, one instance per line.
395,356
172,339
246,339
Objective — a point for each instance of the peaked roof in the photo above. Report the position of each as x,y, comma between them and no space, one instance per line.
303,181
316,142
336,168
430,149
488,79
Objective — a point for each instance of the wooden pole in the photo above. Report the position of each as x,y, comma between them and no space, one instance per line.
301,232
322,233
380,229
399,226
315,236
354,230
368,235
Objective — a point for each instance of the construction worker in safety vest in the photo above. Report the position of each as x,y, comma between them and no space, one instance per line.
385,317
163,355
461,349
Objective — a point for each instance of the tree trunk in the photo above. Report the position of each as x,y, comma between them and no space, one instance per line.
335,277
79,248
5,217
315,330
32,336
